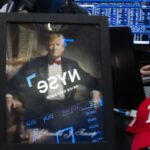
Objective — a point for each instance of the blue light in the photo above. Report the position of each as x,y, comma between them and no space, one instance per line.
69,40
123,13
60,132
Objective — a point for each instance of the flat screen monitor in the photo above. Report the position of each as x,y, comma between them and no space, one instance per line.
56,84
124,13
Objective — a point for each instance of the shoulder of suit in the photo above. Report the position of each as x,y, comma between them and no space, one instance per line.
36,61
68,60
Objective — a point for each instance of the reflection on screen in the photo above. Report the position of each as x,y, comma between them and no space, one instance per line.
54,94
82,122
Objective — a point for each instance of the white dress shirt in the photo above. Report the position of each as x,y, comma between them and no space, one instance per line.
58,93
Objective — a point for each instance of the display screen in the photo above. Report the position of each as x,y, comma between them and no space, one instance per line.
55,89
123,13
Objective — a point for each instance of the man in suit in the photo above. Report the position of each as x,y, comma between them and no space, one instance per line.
49,83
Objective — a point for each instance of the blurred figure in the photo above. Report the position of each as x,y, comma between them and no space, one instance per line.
55,83
43,6
52,89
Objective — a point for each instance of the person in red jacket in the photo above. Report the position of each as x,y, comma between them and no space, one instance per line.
140,127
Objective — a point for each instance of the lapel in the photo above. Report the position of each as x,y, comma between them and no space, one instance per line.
43,68
64,64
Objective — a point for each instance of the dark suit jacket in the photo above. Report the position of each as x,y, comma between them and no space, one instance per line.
35,102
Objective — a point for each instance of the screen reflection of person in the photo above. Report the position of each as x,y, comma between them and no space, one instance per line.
48,83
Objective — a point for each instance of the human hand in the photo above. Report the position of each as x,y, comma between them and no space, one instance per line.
12,103
15,132
145,70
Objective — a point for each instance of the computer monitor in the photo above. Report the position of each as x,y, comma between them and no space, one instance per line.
62,104
124,13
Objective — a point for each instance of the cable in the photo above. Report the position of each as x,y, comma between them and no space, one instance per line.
128,113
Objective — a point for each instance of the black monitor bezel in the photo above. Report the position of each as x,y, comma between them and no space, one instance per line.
106,71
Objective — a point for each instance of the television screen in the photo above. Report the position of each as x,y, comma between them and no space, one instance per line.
123,13
58,90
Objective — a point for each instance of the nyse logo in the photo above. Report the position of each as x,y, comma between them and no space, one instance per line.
52,81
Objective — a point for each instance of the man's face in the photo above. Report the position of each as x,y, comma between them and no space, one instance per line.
56,47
